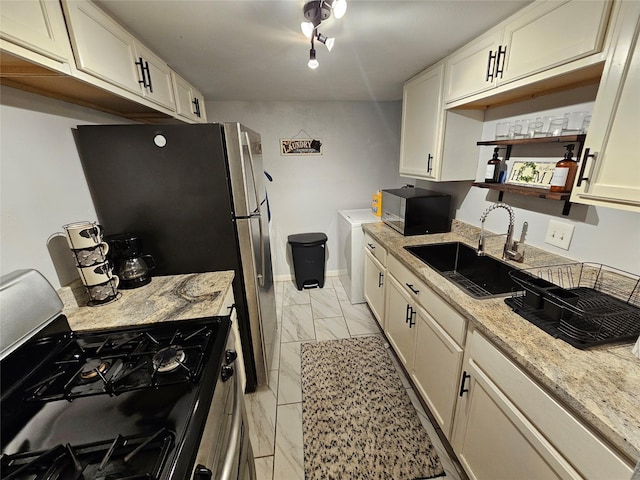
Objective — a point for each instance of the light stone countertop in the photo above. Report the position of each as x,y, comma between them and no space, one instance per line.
166,298
601,385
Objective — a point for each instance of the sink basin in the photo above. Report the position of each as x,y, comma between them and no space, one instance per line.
479,277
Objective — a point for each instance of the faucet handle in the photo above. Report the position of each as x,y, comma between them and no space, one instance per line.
513,253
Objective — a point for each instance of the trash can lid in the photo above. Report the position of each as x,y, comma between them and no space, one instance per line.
307,239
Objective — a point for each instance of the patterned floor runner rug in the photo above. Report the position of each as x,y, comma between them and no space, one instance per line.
357,419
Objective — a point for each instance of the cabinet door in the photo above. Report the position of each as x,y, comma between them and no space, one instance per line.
189,102
37,25
551,34
199,110
470,69
159,87
421,122
612,176
103,48
497,441
374,286
436,369
400,318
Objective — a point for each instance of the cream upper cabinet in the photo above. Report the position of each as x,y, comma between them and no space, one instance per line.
158,84
507,426
470,69
36,25
107,51
189,101
609,174
421,120
552,33
425,151
103,48
547,34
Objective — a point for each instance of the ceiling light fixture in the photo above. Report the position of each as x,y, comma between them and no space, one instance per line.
316,11
328,42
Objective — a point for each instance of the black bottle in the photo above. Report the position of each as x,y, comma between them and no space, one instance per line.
492,174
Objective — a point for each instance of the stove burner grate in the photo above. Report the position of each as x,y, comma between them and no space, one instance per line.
133,457
169,358
93,369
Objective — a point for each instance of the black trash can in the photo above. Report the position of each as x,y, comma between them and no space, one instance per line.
307,250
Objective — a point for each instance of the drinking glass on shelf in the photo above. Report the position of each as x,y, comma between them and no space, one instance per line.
524,126
502,130
515,130
557,126
534,129
585,124
574,122
543,131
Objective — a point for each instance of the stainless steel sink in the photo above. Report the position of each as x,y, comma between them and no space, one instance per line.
478,276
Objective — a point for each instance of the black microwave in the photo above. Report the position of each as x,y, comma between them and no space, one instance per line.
416,211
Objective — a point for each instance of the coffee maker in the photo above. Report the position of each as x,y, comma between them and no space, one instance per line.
131,266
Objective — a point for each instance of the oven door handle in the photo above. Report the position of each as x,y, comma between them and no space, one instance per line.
232,456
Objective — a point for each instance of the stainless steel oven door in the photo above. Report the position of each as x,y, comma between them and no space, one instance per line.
225,450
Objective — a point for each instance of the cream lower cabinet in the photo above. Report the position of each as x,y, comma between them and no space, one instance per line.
400,321
506,426
427,335
374,286
436,368
609,174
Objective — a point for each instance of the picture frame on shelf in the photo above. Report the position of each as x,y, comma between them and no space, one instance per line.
531,173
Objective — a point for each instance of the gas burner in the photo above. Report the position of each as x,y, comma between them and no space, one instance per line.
93,369
168,359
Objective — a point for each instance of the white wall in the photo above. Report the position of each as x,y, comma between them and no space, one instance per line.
361,147
602,235
42,186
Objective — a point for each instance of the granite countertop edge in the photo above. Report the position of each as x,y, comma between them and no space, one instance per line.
600,385
166,298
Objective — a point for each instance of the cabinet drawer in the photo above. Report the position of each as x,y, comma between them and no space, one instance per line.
376,249
451,321
581,447
406,278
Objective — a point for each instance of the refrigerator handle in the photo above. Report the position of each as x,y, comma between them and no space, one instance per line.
257,210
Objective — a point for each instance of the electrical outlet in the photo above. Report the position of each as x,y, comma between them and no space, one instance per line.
559,234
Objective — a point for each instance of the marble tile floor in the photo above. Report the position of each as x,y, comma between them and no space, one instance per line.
275,412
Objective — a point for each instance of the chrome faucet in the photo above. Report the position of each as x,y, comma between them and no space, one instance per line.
510,250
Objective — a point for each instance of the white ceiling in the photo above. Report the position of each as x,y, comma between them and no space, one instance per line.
254,49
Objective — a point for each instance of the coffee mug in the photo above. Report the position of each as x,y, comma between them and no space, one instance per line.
83,234
86,257
103,292
96,274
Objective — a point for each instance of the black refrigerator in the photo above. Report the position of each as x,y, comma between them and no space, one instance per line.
196,196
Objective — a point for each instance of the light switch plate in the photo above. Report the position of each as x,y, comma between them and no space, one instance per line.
559,234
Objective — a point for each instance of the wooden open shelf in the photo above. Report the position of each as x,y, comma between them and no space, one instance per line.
532,191
528,191
523,141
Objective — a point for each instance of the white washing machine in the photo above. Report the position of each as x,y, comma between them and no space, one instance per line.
351,247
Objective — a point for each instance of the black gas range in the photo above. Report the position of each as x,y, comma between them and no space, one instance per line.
125,403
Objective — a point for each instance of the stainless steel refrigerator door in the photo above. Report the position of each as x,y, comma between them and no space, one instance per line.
248,191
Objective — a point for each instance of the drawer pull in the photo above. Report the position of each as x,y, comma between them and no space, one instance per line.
412,317
463,390
371,246
410,285
408,314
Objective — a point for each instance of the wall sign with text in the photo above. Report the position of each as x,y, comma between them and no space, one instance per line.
300,146
532,174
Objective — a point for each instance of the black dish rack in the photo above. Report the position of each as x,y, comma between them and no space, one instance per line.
584,304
